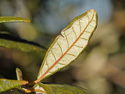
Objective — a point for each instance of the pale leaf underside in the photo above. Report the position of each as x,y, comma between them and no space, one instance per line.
67,46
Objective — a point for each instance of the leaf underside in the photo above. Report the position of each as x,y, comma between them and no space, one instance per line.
9,84
62,89
67,46
5,19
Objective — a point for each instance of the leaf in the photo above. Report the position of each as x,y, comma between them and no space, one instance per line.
67,46
40,87
62,89
7,41
9,84
19,74
12,19
20,46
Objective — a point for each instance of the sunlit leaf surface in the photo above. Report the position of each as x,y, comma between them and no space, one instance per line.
9,84
67,46
12,19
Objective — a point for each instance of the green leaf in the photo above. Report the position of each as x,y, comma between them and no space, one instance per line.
5,19
67,46
9,84
19,44
19,74
62,89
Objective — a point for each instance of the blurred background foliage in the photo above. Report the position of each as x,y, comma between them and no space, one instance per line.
99,68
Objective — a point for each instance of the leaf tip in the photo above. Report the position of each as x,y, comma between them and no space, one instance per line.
28,21
92,10
25,82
